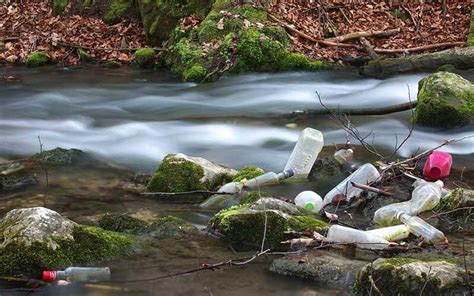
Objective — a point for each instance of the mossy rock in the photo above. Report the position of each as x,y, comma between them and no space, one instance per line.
411,276
444,100
40,239
145,57
453,204
470,37
112,65
116,10
122,223
58,6
160,17
37,58
244,225
248,172
84,56
170,226
61,157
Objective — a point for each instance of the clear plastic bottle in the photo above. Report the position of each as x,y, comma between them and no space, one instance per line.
425,196
268,179
391,233
343,155
309,200
421,228
78,274
363,239
365,174
310,142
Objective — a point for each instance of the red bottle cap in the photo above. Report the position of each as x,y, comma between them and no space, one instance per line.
49,276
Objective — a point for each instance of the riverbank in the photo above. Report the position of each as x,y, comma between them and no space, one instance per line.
201,43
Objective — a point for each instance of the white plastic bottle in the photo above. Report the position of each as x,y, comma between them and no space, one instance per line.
421,228
310,142
425,197
343,155
363,239
267,179
391,233
78,274
365,174
309,200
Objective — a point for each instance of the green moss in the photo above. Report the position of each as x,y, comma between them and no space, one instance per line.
248,172
145,57
59,6
177,175
116,10
170,226
301,223
122,223
36,59
252,196
195,73
84,56
277,33
457,199
444,100
90,244
470,37
112,65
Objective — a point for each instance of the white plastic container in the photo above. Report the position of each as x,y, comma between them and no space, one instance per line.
267,179
391,233
78,274
344,155
309,200
365,174
310,142
425,197
421,228
363,239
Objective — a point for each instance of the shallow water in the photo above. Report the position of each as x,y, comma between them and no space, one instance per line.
134,118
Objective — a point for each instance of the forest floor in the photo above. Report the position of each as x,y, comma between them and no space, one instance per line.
28,27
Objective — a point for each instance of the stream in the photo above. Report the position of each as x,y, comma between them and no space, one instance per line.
134,118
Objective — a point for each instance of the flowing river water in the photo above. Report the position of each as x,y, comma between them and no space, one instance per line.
134,118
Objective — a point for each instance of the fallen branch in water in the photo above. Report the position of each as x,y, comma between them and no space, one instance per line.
419,48
356,35
185,193
370,188
102,48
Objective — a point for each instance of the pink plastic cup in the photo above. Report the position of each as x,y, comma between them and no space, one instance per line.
438,165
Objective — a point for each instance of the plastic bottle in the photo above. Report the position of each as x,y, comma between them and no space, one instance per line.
310,142
343,155
363,239
438,165
391,233
309,200
78,274
365,174
424,197
419,227
268,179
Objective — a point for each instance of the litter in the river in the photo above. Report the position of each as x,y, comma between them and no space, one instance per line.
391,233
421,228
78,274
309,200
438,165
363,239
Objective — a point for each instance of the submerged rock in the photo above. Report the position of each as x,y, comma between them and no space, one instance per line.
458,206
122,223
60,156
36,239
145,57
408,276
444,100
37,59
322,267
244,225
180,173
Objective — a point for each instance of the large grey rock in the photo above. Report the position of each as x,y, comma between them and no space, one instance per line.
408,276
321,267
29,225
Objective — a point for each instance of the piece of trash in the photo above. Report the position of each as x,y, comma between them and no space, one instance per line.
391,233
424,197
78,274
309,200
344,155
363,239
438,165
310,142
331,217
421,228
366,174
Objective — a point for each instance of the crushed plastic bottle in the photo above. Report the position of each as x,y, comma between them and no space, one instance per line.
310,142
309,200
421,228
363,239
425,196
438,165
391,233
365,174
78,274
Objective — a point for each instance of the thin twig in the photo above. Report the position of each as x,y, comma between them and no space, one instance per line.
426,282
370,188
45,169
186,193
